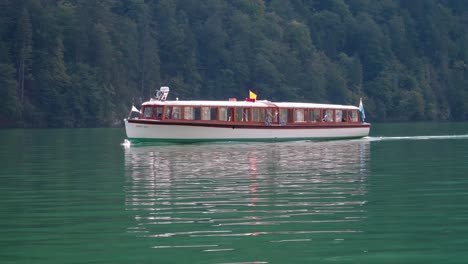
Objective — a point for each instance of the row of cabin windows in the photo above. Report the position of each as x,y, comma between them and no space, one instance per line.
247,114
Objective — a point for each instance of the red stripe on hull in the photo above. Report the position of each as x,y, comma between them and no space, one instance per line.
249,126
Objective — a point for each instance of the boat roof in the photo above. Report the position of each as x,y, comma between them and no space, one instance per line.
258,103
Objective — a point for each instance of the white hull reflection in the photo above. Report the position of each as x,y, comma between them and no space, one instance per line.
239,190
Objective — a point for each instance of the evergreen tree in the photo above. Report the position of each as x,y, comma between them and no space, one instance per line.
82,63
9,108
23,48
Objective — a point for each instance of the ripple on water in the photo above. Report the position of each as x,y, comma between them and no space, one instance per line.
228,196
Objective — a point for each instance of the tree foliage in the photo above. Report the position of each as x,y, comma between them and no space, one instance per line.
74,63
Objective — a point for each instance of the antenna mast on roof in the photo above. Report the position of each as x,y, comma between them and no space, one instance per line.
161,95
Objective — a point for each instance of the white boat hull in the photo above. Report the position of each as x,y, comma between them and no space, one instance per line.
155,131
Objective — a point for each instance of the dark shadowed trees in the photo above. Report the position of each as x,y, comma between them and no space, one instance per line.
76,63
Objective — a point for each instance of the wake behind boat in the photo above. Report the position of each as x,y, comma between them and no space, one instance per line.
162,120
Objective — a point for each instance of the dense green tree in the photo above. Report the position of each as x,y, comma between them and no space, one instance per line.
23,48
75,63
148,51
9,109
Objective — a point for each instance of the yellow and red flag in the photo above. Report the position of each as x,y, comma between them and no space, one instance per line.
252,95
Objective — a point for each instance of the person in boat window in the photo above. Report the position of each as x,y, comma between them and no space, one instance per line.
231,114
325,118
344,116
175,114
168,113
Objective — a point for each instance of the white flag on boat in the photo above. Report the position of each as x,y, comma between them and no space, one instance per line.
361,109
134,109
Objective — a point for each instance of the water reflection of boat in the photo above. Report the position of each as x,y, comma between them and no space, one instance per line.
338,156
246,189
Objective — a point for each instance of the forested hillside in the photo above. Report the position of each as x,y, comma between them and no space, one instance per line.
74,63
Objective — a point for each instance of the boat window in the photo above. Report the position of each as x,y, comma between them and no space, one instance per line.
196,113
354,116
239,114
213,113
314,115
306,114
256,114
271,116
327,115
205,113
168,112
176,113
231,113
290,115
299,115
338,115
246,115
159,112
188,113
283,116
222,114
148,112
262,114
344,116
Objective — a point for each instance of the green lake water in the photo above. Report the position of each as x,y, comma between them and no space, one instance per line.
80,196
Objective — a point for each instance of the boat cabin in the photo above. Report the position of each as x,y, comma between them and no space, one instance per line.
259,112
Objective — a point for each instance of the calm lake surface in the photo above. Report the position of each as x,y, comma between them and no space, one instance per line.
80,196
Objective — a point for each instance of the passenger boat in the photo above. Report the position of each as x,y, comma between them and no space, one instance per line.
162,120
